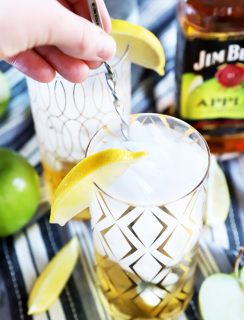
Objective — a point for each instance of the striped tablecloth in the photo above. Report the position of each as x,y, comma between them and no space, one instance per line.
23,256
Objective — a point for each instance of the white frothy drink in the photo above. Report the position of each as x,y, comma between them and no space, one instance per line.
173,167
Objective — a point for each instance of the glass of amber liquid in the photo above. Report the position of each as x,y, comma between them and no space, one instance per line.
147,223
66,116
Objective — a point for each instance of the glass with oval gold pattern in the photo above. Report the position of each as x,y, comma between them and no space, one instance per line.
66,116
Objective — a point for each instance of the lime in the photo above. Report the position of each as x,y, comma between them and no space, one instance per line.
4,94
19,192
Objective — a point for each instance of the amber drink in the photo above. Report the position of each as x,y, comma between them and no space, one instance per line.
66,116
146,224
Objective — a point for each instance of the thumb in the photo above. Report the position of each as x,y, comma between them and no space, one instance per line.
78,37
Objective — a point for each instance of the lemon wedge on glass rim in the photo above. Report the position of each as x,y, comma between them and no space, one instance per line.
144,47
53,278
74,193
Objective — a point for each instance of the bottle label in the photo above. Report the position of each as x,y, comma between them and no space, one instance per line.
212,79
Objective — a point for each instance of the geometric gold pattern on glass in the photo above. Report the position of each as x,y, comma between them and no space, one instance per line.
145,255
148,274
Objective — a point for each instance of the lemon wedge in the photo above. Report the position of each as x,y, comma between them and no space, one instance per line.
53,278
144,47
75,191
218,196
84,215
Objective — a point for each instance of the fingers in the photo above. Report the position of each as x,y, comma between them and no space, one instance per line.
70,68
78,37
33,65
41,65
93,64
52,23
80,45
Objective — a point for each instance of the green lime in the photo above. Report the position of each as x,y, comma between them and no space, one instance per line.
4,94
19,192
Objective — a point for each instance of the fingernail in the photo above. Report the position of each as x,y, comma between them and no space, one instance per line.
107,46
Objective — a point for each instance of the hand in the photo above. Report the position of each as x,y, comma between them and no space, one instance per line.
40,37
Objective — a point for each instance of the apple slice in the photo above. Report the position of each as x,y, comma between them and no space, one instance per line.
242,277
218,196
221,295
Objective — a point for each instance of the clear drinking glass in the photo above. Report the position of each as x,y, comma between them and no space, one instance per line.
66,116
146,253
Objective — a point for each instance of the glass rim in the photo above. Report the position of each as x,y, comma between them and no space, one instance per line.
134,204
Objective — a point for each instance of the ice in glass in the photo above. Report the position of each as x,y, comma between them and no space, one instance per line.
146,224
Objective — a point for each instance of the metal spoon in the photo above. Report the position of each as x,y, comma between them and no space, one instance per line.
110,75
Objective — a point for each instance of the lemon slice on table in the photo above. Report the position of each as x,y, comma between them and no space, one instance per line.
75,191
218,196
53,278
144,47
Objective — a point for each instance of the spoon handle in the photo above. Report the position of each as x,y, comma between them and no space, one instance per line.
110,74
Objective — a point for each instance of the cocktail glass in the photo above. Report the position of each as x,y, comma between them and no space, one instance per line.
146,251
66,116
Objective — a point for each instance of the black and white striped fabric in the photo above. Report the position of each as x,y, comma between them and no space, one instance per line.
24,255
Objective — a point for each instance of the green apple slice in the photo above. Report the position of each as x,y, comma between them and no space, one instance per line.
242,277
190,81
4,94
221,298
218,196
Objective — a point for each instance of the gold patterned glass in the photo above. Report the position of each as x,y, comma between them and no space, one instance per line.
146,254
66,116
